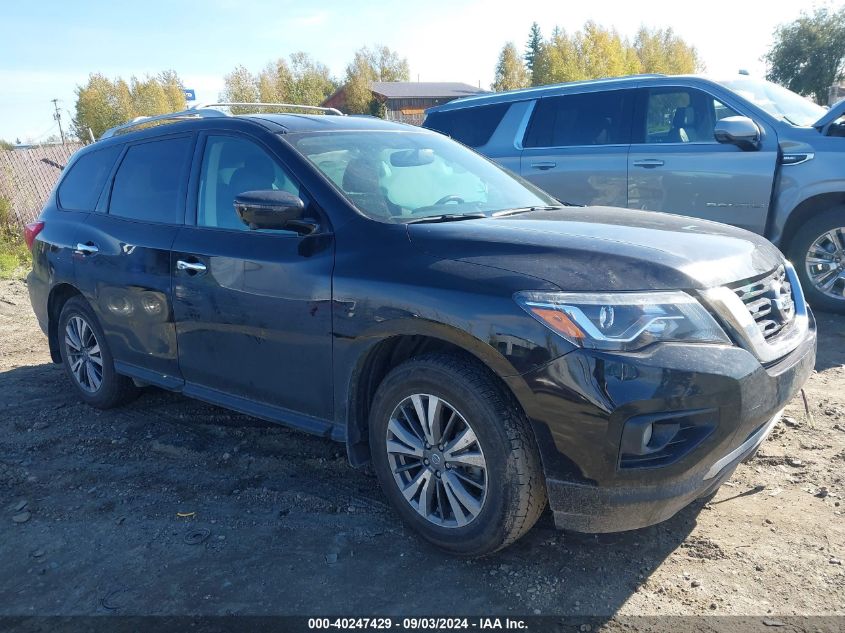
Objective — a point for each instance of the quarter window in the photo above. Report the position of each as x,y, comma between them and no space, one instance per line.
149,184
81,187
680,115
231,166
471,126
593,118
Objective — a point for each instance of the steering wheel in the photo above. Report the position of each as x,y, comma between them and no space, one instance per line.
449,198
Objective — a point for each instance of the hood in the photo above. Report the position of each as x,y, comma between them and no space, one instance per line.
836,111
604,248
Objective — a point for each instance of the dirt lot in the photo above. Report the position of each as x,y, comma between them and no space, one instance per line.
279,523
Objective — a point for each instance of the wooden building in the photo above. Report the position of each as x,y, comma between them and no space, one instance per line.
407,100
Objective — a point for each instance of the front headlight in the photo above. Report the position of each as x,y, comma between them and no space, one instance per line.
623,321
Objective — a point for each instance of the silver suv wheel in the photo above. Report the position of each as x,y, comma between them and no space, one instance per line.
825,263
436,460
83,354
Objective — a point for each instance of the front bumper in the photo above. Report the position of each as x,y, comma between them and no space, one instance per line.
579,404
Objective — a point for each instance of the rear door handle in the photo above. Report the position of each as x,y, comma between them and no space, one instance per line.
544,165
649,163
192,268
89,248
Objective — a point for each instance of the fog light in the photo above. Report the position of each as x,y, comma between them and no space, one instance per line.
659,439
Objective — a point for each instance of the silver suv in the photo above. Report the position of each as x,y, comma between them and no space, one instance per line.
741,151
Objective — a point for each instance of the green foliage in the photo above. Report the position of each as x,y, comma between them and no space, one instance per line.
808,55
532,47
4,144
511,73
302,81
103,103
241,86
369,65
596,52
14,255
661,51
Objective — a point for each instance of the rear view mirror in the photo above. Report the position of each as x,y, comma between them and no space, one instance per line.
412,157
738,130
273,209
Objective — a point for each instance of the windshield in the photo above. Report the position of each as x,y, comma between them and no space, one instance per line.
776,100
407,176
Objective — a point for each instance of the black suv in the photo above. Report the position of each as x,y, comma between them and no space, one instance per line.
483,346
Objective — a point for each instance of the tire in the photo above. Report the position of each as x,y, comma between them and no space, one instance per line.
813,230
112,389
514,492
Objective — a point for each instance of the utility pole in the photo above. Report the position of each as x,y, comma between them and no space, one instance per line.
58,118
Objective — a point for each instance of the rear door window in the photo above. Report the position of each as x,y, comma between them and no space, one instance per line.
81,187
592,118
471,126
151,181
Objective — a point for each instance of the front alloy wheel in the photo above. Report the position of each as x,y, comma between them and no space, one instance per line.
825,263
436,460
455,454
817,251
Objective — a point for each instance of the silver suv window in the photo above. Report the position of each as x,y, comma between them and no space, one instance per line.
681,115
781,103
591,118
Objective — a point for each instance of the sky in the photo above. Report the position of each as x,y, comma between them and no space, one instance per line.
49,47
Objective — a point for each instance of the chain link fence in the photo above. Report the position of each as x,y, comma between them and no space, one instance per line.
27,176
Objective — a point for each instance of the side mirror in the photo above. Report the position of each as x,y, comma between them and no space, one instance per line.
738,130
273,209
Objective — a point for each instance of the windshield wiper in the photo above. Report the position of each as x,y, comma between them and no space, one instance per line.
446,217
551,207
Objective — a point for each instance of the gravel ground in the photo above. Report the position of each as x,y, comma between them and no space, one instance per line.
172,506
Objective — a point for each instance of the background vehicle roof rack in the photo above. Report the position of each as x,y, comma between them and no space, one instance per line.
209,110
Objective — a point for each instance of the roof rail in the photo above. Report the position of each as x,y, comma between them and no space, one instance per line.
202,111
272,105
193,113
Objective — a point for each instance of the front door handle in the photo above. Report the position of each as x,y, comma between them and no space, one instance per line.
544,165
192,268
89,248
649,163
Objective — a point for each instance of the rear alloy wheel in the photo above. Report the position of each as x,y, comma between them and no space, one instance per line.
88,360
818,254
84,354
455,454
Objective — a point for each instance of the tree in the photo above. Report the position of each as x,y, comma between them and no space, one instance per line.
240,86
661,51
511,73
808,55
532,48
103,103
4,144
596,52
312,81
369,65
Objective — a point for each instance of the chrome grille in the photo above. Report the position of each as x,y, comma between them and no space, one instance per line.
769,301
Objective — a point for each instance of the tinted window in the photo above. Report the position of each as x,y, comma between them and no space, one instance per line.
681,115
231,166
149,181
81,187
470,126
593,118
